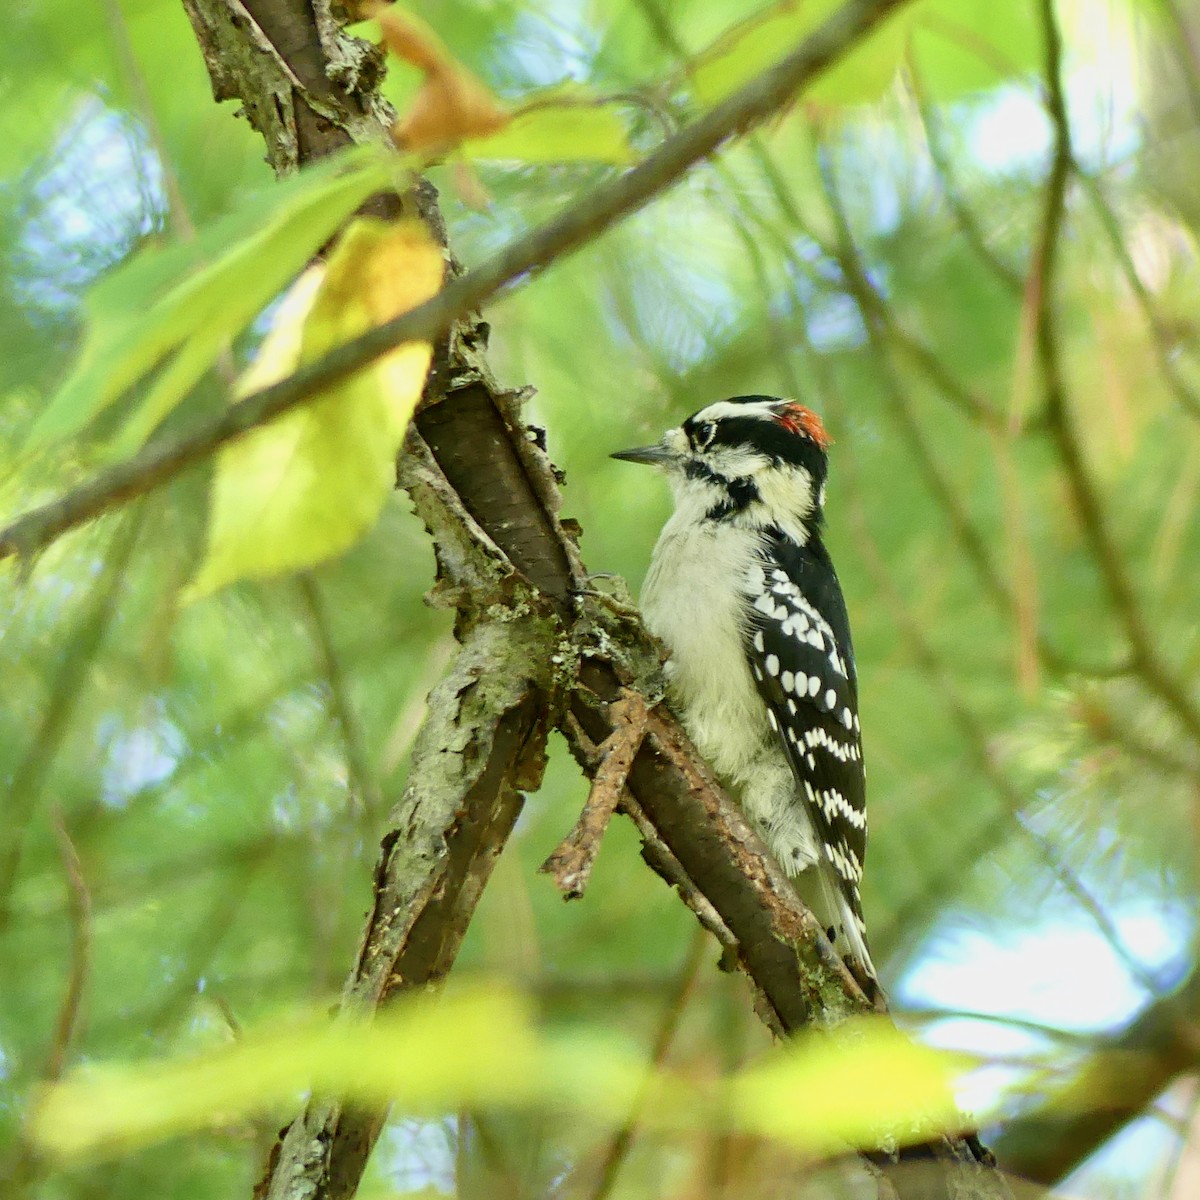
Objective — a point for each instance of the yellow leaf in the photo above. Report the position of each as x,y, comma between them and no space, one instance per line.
866,1085
470,1047
171,309
308,485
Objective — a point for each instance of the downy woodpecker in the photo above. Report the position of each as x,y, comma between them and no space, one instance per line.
742,591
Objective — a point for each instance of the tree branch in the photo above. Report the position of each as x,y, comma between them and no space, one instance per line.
536,646
1147,663
582,222
1119,1081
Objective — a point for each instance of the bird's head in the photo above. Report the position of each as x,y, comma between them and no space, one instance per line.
754,460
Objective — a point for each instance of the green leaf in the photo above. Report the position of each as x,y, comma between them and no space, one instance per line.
961,46
570,130
867,1084
759,43
176,307
309,484
479,1047
472,1047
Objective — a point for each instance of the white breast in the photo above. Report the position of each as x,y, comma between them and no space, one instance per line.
695,601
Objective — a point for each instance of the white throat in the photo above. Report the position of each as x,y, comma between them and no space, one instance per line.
785,499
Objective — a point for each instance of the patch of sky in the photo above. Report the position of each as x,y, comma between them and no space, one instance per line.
1120,1167
553,43
877,174
1062,974
816,296
1007,131
139,757
47,603
419,1155
680,305
98,192
286,814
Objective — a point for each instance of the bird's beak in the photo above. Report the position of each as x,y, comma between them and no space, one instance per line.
658,455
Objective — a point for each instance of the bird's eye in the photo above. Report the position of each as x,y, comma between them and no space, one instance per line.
703,435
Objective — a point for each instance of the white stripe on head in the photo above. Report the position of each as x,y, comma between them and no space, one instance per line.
763,410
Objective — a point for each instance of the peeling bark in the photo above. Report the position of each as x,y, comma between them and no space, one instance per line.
538,647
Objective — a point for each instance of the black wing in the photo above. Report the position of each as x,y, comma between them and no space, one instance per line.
800,653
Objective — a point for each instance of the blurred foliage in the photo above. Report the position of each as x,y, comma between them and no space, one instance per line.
223,769
433,1052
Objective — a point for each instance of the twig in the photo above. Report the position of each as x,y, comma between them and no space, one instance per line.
1147,664
621,1142
68,686
526,256
571,863
363,786
965,219
1068,1037
1161,337
79,910
692,831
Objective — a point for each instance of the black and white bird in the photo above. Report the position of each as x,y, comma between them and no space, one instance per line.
743,593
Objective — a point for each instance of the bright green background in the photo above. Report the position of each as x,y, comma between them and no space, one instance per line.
224,770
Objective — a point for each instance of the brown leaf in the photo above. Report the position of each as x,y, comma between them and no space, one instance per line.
451,104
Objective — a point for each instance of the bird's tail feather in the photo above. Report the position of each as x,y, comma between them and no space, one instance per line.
842,925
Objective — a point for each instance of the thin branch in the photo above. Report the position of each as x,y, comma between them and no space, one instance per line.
878,326
1160,334
1147,663
527,256
363,786
68,686
1068,1037
570,864
621,1142
178,215
967,223
79,912
27,1165
1189,53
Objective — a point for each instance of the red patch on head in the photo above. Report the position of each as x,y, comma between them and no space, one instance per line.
797,419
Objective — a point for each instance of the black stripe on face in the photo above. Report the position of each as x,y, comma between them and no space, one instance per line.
740,492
